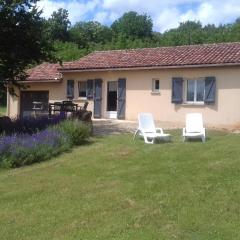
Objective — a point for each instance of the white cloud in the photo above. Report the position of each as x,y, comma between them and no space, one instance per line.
101,17
49,6
168,13
169,18
77,10
165,13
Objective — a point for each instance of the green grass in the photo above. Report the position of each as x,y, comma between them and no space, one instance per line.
3,110
115,188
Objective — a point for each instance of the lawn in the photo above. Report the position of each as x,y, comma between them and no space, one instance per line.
115,188
2,110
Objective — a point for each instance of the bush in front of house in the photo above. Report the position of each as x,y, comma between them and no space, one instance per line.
25,149
27,125
77,131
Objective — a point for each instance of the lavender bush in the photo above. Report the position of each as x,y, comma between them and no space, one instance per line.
27,125
25,149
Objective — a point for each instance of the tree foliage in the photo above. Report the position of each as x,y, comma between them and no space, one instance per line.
133,25
133,30
26,37
87,33
22,40
69,51
58,25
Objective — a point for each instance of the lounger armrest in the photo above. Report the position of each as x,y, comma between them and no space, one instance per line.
159,130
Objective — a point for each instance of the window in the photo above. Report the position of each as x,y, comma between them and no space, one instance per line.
155,85
70,88
82,89
195,91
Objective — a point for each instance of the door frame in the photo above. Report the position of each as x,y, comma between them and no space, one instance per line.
111,114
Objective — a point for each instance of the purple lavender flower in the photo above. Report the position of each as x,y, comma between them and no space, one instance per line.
24,149
29,125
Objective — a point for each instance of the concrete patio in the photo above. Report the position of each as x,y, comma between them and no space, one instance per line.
115,126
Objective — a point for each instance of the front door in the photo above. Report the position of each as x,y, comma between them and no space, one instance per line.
112,99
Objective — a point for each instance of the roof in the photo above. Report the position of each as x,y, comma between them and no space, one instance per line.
162,57
44,72
191,55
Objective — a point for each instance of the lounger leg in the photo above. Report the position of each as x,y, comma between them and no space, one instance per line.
203,138
147,141
135,134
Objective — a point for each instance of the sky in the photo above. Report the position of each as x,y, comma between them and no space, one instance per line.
165,14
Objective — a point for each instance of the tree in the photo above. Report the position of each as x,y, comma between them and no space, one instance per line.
187,33
22,40
59,24
133,25
89,33
68,51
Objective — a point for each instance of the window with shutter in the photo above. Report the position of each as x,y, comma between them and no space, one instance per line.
210,90
89,92
177,90
70,88
82,89
195,91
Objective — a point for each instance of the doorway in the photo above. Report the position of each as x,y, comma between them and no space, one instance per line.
112,99
27,99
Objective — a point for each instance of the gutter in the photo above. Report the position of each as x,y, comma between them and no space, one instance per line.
42,81
146,67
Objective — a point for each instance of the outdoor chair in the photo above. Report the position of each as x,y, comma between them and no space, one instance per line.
147,129
194,127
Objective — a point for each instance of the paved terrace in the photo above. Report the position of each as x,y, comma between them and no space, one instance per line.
114,126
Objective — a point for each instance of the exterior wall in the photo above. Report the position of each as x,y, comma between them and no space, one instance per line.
13,104
224,112
139,96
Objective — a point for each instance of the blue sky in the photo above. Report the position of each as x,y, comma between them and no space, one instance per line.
165,14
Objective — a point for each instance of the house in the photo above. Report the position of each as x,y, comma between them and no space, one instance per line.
166,81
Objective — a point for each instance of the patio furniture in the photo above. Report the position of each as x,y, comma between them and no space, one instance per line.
84,106
147,129
194,127
62,108
38,108
69,106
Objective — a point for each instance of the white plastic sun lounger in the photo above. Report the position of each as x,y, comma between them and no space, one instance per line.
147,129
194,127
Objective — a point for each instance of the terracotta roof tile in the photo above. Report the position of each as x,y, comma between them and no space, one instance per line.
207,54
193,55
43,72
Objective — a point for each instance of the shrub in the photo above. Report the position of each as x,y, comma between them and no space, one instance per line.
76,131
27,125
25,149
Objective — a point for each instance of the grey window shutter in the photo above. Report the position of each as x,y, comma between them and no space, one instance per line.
177,90
121,98
89,92
97,111
210,90
70,88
